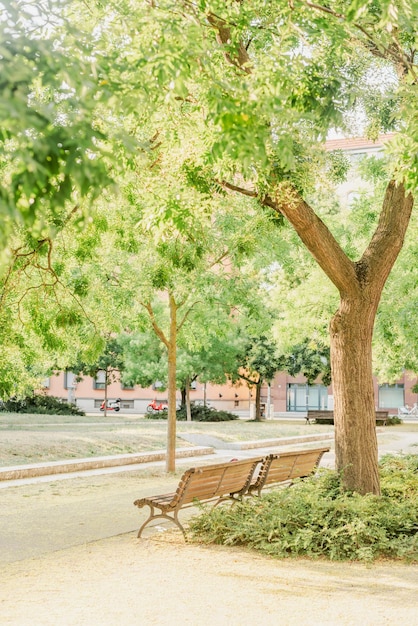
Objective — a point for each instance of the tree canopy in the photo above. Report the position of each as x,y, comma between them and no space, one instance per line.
189,104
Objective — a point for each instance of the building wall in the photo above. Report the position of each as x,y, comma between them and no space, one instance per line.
236,398
136,400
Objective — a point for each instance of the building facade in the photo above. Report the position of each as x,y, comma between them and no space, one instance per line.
287,395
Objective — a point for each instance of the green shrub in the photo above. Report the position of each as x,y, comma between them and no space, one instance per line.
315,518
202,413
199,414
41,404
392,420
158,415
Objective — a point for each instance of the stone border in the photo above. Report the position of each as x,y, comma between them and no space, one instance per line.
79,465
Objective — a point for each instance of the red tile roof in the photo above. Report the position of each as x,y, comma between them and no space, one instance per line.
357,143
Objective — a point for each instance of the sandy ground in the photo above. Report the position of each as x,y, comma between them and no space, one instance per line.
163,581
69,556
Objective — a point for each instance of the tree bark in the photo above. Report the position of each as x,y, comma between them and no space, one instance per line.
356,452
188,408
258,400
172,365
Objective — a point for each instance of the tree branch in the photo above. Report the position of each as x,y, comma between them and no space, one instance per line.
393,51
242,59
387,241
158,331
312,231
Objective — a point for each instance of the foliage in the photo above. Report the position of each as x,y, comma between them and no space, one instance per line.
310,358
202,413
110,361
51,150
199,413
259,359
316,518
48,405
393,420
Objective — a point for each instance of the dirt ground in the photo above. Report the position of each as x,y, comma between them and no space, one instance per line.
69,556
163,581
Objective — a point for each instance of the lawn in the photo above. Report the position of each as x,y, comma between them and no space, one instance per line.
36,438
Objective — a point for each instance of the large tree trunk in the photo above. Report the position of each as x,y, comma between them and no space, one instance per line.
351,331
360,285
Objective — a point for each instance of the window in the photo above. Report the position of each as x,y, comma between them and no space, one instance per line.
100,381
391,396
126,386
46,383
69,380
301,397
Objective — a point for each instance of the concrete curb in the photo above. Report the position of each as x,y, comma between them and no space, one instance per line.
286,441
79,465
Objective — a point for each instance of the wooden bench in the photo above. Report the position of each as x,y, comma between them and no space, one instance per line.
285,467
220,482
230,481
327,417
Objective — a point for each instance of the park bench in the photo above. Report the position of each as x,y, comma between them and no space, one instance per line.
285,467
230,481
327,417
210,483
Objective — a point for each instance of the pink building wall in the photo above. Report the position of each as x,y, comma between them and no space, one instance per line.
236,398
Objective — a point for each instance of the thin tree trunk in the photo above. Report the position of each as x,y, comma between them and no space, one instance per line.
172,358
188,407
105,394
258,401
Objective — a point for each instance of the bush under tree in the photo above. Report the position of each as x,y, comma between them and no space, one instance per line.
318,518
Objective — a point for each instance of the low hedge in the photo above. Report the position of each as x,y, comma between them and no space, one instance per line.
199,414
202,413
316,518
47,405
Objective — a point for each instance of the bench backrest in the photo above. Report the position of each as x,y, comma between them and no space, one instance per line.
211,481
279,468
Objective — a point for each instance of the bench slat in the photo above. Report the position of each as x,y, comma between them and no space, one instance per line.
285,467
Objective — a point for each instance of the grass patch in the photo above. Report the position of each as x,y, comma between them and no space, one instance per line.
315,518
